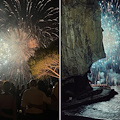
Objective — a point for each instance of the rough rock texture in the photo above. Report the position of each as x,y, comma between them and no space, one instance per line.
81,36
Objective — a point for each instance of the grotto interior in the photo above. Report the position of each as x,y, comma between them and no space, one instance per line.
84,53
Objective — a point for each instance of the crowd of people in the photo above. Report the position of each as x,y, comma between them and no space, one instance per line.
34,102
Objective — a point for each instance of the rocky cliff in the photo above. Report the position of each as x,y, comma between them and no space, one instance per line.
81,36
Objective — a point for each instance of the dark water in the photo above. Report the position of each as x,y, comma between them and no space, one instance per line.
108,110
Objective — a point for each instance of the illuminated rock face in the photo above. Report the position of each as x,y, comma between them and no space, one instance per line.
81,36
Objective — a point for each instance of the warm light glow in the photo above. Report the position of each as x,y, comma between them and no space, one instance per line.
22,31
15,50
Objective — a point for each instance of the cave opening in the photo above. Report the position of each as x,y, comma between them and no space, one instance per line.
107,70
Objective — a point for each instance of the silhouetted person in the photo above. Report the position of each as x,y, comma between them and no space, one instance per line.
42,86
54,107
7,104
13,90
18,98
28,86
1,87
22,90
33,102
49,90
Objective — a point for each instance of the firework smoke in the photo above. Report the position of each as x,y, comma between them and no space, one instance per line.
110,19
25,25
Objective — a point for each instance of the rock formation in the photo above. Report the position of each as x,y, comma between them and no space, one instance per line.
81,38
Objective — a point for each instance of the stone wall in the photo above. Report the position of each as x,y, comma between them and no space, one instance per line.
81,36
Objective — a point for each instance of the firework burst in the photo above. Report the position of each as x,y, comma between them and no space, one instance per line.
110,19
110,24
25,25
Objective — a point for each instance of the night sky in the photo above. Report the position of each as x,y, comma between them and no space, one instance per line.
24,27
